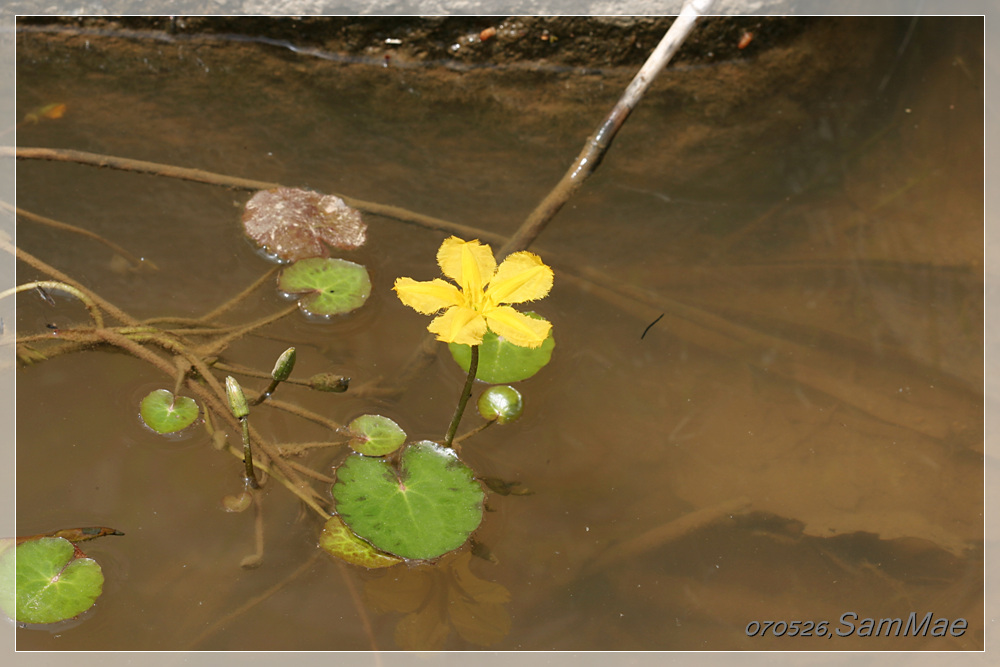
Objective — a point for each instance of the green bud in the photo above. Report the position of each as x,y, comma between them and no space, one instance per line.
502,403
237,401
283,367
329,382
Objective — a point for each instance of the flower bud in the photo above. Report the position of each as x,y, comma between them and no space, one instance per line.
237,401
283,367
329,382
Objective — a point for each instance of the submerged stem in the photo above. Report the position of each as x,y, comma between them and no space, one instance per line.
223,342
248,456
236,300
95,312
63,278
468,434
464,398
136,262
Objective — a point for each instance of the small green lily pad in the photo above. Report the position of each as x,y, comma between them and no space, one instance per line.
165,413
326,286
338,540
426,507
42,581
502,403
500,361
375,435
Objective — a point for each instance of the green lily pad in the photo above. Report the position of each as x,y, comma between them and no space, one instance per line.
375,435
326,286
502,403
42,581
338,540
424,508
165,413
500,361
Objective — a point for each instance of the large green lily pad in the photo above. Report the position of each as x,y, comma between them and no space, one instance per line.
42,581
424,508
165,413
326,286
375,435
500,361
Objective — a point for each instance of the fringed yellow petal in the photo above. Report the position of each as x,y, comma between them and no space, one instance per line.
459,325
521,277
519,329
427,297
468,263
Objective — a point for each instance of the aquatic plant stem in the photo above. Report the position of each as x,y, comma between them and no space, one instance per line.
254,373
212,395
236,300
598,143
95,312
468,434
136,262
294,489
222,343
304,413
266,394
236,183
257,557
248,456
464,398
309,472
238,406
38,264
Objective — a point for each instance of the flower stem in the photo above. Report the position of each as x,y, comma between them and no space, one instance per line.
466,394
251,475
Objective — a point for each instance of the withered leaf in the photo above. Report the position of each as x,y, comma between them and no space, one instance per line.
294,224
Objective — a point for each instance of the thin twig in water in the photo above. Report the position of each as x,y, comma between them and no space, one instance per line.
309,472
95,312
39,265
223,342
232,303
304,413
598,143
646,330
234,182
136,262
296,448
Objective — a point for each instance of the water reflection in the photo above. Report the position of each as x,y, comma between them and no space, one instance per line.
440,599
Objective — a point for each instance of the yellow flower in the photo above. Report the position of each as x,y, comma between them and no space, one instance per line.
477,303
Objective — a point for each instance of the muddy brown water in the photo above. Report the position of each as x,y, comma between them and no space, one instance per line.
798,437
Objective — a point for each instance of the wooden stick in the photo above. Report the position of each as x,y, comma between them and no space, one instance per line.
599,142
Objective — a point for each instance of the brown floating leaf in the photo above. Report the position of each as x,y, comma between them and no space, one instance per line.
295,224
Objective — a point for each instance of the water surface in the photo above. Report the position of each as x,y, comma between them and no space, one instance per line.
798,437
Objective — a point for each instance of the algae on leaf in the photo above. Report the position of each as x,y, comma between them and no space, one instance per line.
294,224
